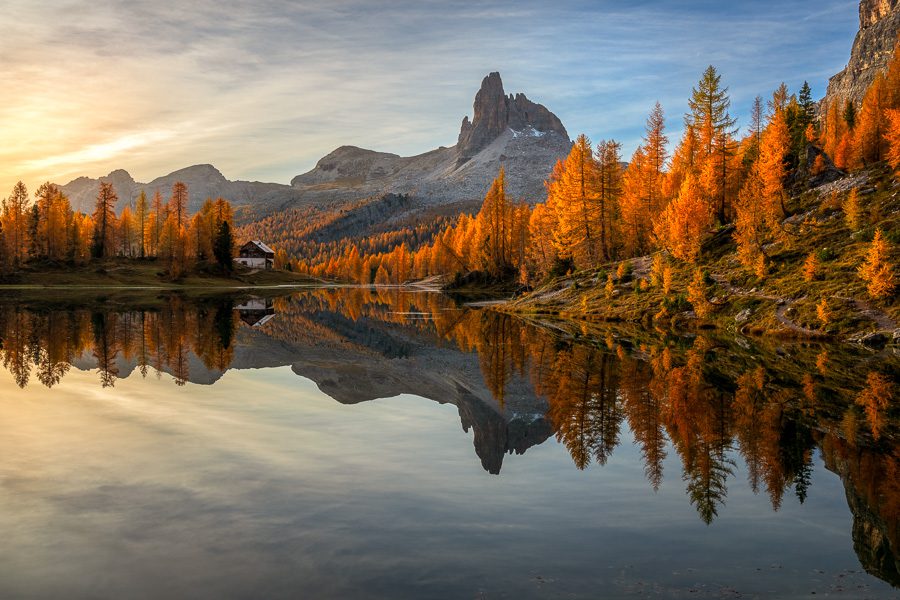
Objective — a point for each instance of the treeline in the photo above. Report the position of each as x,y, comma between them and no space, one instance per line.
665,202
310,232
48,229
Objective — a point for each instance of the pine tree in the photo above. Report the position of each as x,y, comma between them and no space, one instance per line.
15,224
709,117
103,244
811,267
684,223
159,216
755,130
224,246
773,156
178,203
141,215
575,200
849,115
494,225
807,105
868,140
609,177
852,210
877,270
892,137
696,294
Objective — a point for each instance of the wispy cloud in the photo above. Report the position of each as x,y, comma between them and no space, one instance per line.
263,89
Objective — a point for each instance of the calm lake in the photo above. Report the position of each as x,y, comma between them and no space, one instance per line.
354,443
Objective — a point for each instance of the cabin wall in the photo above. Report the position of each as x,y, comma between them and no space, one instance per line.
253,262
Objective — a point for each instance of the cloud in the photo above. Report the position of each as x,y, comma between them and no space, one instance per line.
263,89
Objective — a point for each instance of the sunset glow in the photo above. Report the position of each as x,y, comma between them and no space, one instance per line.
263,91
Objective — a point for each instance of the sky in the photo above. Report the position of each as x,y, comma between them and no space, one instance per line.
263,89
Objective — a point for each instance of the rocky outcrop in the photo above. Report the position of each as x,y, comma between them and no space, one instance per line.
879,24
508,131
494,113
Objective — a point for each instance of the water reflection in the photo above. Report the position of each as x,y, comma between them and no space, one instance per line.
723,407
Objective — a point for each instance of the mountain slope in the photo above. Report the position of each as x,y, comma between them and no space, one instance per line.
509,131
523,137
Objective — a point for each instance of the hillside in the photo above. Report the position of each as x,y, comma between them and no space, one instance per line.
781,303
508,131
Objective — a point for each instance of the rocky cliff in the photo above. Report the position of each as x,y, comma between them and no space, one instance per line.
511,131
494,113
879,24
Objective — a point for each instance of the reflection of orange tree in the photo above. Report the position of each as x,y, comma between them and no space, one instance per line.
583,405
644,411
875,398
46,344
698,420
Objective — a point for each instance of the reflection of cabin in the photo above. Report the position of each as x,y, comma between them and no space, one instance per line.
256,255
256,312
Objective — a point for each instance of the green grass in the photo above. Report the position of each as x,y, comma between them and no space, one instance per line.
127,282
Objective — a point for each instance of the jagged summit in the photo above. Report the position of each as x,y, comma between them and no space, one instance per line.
511,131
494,112
879,24
508,131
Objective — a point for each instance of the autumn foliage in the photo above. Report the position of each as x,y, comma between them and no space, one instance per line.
48,229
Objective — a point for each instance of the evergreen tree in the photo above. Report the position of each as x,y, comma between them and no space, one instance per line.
850,115
807,105
709,117
140,216
34,223
103,244
15,210
224,246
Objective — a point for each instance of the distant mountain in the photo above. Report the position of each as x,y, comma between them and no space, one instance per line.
203,181
879,24
523,137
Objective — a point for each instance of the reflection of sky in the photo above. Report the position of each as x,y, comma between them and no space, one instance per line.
263,89
261,485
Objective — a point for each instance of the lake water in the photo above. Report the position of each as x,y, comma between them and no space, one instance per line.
341,443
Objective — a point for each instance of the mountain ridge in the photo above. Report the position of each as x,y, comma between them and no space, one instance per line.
508,131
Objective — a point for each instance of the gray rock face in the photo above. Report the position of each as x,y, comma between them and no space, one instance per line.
879,23
512,132
494,113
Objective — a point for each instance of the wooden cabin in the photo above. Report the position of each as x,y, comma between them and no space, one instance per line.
256,312
256,255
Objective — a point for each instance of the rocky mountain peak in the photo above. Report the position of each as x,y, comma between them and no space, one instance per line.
121,174
205,172
879,24
872,11
494,112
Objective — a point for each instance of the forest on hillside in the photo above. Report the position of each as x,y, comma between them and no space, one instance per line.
667,203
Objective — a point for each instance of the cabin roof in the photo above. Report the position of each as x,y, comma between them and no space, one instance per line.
262,246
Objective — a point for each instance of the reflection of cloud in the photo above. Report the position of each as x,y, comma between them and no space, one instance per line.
271,86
